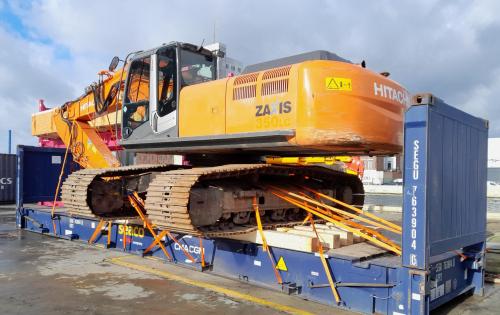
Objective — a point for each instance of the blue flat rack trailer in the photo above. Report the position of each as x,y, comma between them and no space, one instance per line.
443,239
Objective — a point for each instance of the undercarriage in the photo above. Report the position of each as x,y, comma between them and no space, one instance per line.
205,201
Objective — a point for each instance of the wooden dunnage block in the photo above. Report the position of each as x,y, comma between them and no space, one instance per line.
328,239
281,239
346,238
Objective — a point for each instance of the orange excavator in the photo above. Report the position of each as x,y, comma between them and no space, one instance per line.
232,131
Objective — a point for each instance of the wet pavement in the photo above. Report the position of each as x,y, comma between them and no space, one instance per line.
44,275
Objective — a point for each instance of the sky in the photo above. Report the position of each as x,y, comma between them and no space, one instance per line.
53,49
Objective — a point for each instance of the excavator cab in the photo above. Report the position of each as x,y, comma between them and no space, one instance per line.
152,88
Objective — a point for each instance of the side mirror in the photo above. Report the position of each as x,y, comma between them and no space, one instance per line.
114,63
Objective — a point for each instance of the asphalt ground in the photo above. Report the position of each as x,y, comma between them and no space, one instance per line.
44,275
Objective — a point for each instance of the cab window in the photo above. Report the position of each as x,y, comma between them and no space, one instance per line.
138,86
136,104
196,68
167,78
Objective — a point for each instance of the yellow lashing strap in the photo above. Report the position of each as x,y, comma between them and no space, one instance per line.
259,223
265,247
110,226
307,218
124,236
373,236
154,243
63,166
397,228
325,265
202,252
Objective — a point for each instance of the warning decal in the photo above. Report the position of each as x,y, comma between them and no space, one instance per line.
338,84
281,264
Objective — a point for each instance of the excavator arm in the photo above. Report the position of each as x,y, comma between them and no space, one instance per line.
85,143
78,123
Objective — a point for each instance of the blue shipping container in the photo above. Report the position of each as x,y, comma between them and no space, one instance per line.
7,178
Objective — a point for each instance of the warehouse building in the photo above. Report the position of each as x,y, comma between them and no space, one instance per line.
494,161
382,169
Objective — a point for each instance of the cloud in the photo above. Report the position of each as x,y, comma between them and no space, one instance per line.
28,72
447,48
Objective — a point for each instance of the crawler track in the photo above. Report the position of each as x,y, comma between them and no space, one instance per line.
167,202
77,189
168,194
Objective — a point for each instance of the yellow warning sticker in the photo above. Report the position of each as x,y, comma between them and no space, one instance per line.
281,264
338,84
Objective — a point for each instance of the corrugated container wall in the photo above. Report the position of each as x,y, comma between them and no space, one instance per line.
7,178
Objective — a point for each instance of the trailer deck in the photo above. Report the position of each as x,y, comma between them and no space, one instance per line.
444,227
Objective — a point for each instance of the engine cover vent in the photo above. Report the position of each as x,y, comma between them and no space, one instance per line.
245,86
274,87
276,73
275,81
242,92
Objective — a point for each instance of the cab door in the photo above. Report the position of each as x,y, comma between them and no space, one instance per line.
164,91
137,94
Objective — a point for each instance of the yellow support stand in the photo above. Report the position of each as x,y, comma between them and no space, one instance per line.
138,205
98,229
